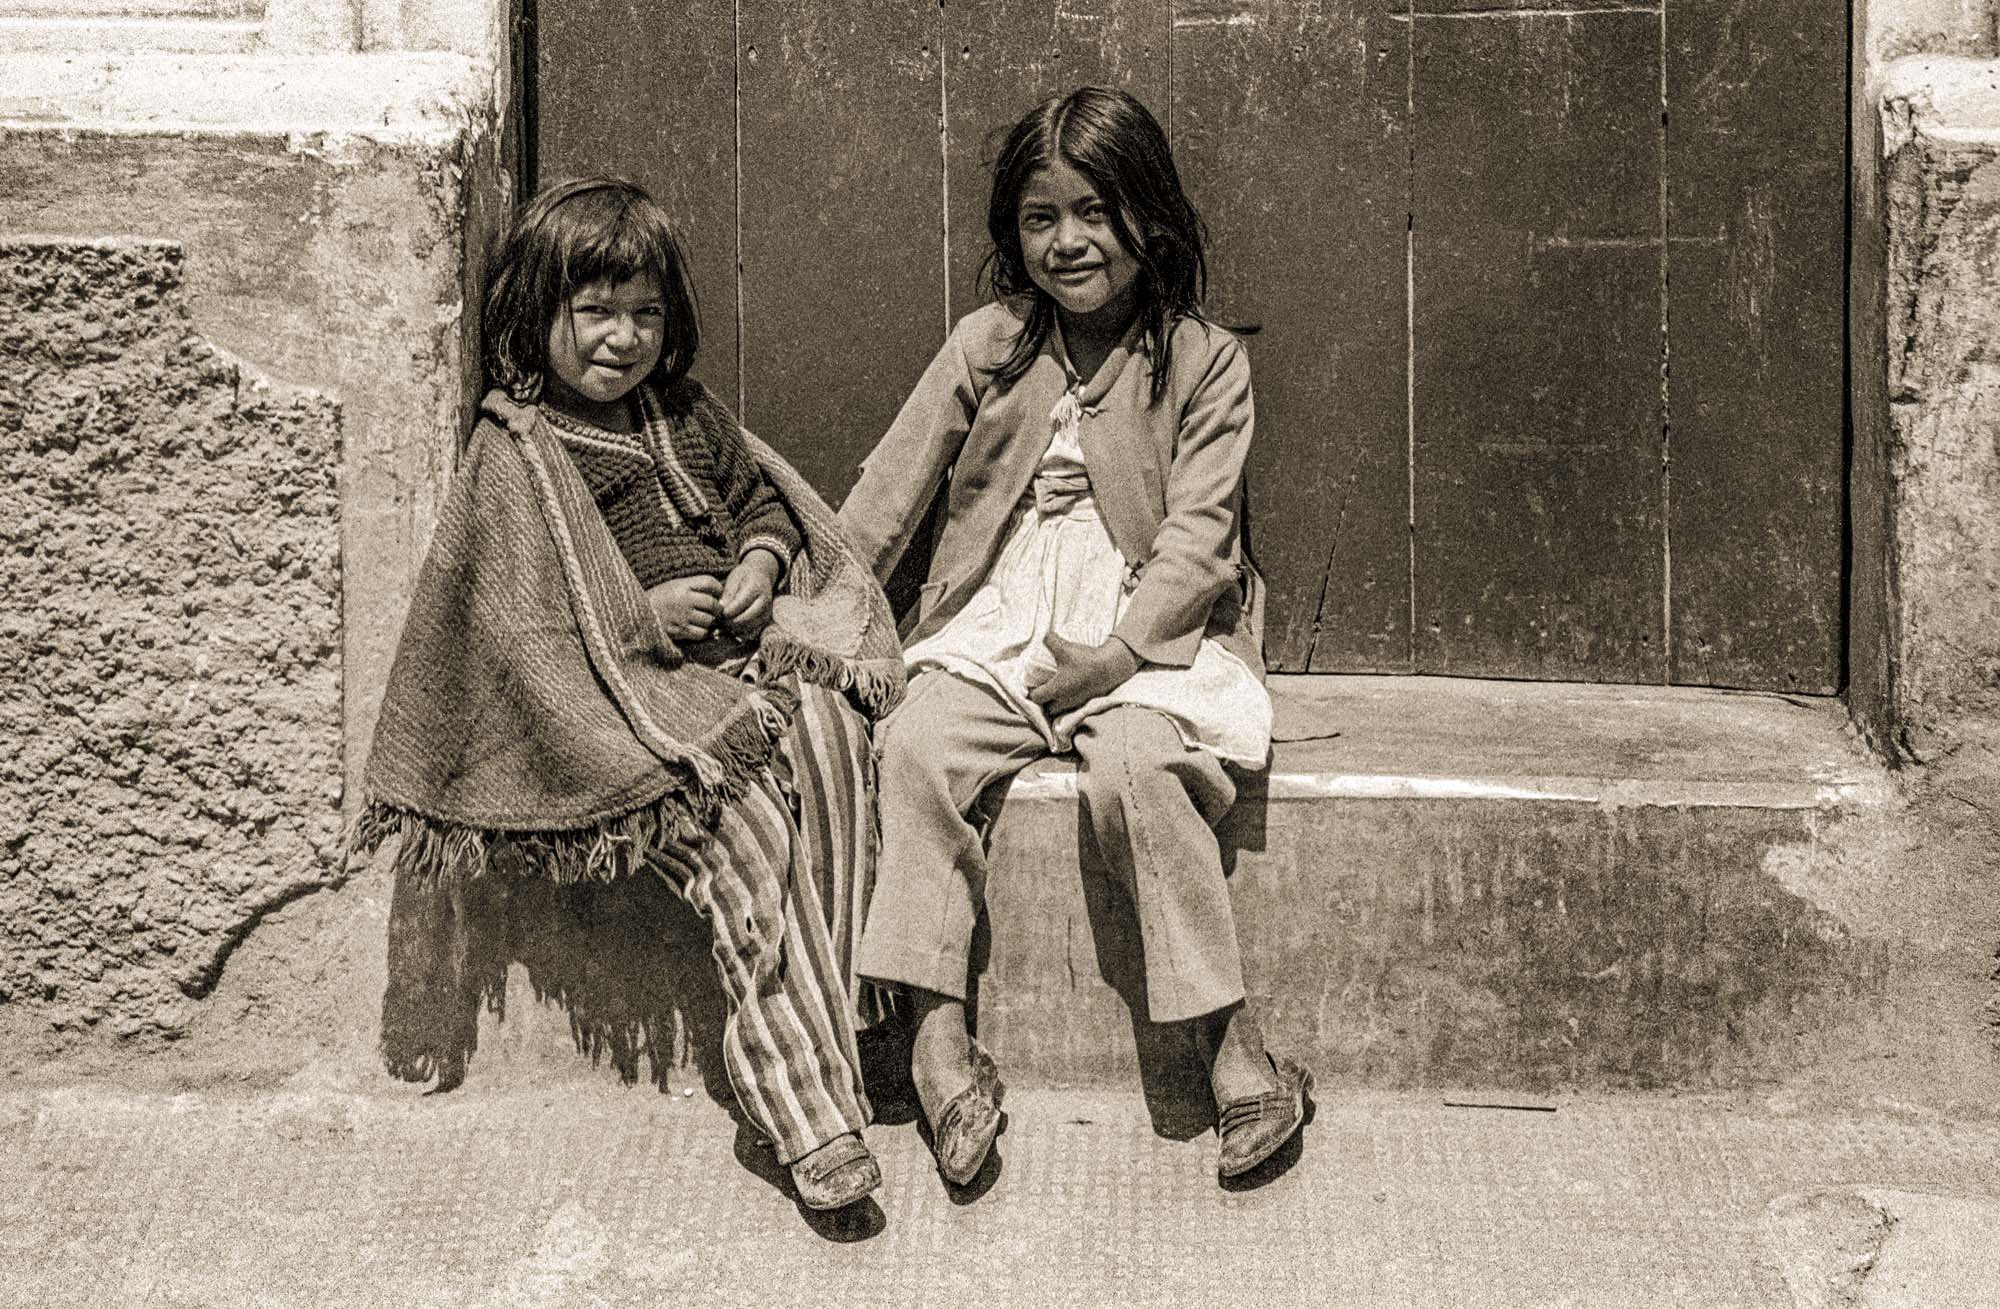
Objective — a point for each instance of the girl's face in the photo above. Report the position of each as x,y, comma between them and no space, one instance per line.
605,341
1071,250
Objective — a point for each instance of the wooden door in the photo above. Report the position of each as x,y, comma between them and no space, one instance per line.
1550,295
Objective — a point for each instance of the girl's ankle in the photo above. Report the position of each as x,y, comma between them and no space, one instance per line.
1238,1065
941,1055
1235,1078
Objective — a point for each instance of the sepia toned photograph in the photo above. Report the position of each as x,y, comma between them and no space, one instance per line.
999,653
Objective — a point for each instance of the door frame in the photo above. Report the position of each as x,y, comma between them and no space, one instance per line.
1866,676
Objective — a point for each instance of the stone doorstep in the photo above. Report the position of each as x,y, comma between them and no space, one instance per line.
1473,883
1514,886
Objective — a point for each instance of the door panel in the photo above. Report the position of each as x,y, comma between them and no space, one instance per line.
1550,292
610,107
1005,56
843,234
1537,309
1310,233
1756,194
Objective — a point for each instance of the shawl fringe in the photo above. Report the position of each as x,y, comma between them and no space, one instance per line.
438,852
875,684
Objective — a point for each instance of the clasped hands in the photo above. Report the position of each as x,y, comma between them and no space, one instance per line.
1082,673
692,608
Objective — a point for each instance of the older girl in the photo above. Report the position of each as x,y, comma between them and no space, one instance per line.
1088,592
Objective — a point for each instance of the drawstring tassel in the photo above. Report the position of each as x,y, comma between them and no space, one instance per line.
1067,417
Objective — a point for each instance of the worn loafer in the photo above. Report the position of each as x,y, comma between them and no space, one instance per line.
963,1134
837,1174
1250,1130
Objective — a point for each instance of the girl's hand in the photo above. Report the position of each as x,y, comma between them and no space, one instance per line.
1082,672
687,607
746,597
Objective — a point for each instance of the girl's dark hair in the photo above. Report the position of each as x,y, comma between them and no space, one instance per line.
572,234
1110,138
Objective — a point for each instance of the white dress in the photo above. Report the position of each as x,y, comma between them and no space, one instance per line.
1059,572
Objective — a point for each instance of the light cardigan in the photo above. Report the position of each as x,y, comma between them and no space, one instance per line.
1167,477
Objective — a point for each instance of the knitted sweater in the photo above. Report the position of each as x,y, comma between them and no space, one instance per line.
682,495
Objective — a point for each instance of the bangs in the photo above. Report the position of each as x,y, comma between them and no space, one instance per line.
618,243
596,229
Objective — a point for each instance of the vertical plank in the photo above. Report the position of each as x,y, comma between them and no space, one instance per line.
657,104
1002,57
1756,222
1288,120
1871,647
842,221
1537,337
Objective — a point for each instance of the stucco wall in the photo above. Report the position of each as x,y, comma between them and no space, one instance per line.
325,214
170,646
1942,165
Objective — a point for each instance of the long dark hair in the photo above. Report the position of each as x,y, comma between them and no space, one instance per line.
570,235
1110,138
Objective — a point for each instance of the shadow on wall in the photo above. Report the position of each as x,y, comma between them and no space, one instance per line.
629,963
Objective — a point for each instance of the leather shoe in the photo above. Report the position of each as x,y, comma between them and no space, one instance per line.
836,1174
1250,1130
962,1135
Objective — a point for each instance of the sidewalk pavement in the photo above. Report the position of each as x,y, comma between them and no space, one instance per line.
594,1195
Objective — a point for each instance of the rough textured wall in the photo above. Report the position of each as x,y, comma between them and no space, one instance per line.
325,223
326,211
169,641
1942,130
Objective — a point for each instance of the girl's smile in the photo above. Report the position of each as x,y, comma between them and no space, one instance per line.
1073,253
603,344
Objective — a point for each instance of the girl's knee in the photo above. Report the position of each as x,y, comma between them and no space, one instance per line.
1159,776
908,756
752,943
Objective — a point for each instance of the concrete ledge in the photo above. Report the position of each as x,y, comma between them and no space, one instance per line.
1451,882
1947,98
423,98
1459,738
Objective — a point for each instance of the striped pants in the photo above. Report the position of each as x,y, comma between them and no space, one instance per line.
831,759
783,937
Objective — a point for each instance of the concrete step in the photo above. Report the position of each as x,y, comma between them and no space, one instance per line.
1441,882
1475,883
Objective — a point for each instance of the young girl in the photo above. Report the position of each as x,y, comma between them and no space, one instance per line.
607,642
1087,592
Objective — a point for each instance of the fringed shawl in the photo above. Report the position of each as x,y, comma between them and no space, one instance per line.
534,700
